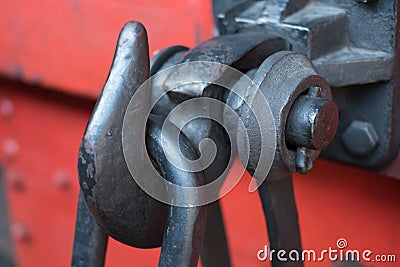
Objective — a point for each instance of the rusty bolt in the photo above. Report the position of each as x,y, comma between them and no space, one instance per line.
360,138
312,123
10,147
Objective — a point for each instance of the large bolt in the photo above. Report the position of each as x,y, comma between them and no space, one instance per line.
20,232
360,138
312,123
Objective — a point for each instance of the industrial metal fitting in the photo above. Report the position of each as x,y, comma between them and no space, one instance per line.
311,123
360,138
116,202
305,116
321,30
302,117
296,85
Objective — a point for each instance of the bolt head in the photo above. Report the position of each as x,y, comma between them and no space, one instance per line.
312,123
324,125
360,138
10,147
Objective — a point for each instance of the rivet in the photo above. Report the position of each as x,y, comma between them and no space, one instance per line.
15,179
20,232
6,108
61,179
10,147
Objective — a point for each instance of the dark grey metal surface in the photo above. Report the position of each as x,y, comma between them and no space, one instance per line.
117,203
166,58
6,251
185,228
360,138
310,123
319,30
282,93
282,78
299,100
215,250
352,44
375,104
280,211
366,1
162,59
243,51
90,241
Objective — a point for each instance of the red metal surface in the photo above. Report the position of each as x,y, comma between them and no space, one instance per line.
68,46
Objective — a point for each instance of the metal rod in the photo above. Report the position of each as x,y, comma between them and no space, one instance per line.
184,233
280,212
90,241
183,236
215,250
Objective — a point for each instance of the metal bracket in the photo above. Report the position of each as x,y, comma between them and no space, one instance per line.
352,44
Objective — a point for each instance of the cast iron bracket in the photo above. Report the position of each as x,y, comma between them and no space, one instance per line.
353,45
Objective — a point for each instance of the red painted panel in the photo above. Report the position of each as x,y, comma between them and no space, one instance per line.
39,143
69,45
334,201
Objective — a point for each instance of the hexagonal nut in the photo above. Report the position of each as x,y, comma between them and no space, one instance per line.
360,138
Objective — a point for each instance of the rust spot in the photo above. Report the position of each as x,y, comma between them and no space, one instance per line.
86,169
